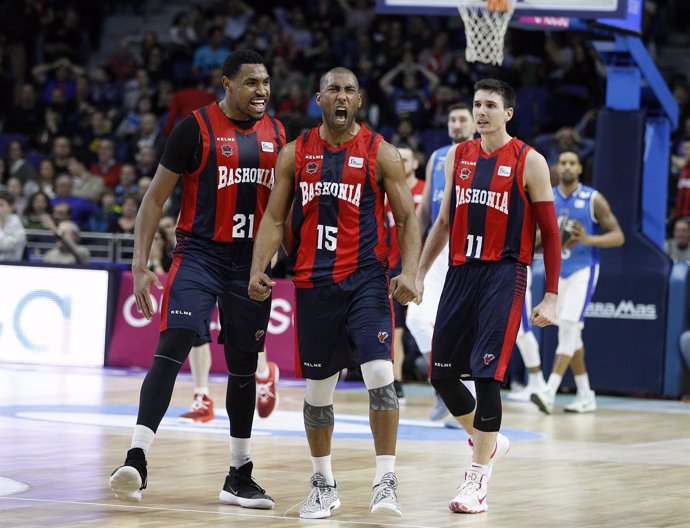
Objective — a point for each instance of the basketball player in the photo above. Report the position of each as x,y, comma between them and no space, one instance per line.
411,163
421,317
583,211
226,153
335,176
496,187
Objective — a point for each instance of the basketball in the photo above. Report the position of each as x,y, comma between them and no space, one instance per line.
565,226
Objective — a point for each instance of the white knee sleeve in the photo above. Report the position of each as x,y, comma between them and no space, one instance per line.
421,326
377,373
569,338
319,393
529,349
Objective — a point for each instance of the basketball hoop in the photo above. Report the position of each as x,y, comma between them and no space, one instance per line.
486,22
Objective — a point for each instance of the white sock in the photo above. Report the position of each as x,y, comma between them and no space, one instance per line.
263,374
142,438
384,464
553,383
536,378
239,451
322,465
582,383
201,390
479,468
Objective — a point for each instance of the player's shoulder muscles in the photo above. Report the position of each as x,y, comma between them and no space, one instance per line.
285,162
537,178
389,163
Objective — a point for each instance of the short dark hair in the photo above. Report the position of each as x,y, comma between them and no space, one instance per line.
459,106
236,59
4,195
339,69
502,88
571,151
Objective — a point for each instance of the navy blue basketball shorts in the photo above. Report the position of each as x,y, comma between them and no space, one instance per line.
399,310
478,320
202,273
341,324
202,339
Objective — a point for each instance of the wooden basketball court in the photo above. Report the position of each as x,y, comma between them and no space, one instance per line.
63,430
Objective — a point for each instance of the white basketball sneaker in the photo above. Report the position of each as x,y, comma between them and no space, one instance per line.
523,395
544,400
322,499
472,495
584,402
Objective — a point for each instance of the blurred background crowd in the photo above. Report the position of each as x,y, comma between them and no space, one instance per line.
89,91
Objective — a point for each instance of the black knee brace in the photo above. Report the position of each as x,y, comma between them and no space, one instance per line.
157,388
489,408
240,362
455,395
175,344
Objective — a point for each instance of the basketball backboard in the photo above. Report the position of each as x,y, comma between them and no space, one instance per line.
582,9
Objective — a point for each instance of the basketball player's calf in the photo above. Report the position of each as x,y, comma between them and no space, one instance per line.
383,420
128,480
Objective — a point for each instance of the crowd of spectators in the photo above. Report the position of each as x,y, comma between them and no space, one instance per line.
81,138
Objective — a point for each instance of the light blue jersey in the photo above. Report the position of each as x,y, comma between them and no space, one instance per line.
438,179
578,206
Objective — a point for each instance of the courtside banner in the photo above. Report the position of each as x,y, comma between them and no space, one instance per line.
134,339
53,316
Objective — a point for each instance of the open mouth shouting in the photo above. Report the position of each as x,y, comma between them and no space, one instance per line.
341,115
258,105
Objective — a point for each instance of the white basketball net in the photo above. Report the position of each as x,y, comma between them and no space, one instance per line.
484,30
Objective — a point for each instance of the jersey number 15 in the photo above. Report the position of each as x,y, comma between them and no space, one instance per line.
327,237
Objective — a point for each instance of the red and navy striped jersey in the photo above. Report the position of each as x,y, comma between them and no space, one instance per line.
338,224
224,199
394,257
491,216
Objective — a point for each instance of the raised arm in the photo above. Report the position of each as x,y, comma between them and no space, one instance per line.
386,82
272,226
390,168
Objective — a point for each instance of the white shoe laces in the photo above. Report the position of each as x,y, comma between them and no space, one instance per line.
199,404
469,487
319,491
264,390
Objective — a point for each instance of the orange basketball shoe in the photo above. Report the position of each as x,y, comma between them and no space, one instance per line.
201,410
267,391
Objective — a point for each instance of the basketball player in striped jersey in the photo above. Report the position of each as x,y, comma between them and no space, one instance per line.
588,224
335,176
497,187
421,317
226,154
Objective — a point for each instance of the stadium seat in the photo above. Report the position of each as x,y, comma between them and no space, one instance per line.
34,157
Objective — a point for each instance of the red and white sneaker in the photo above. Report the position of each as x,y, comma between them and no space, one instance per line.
267,391
501,448
201,410
472,495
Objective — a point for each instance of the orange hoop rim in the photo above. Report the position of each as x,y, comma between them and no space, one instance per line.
498,6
